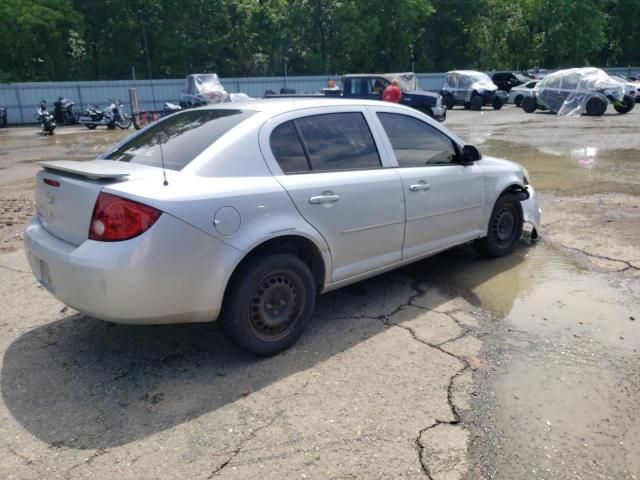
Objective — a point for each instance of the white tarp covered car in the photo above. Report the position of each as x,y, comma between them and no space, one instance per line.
202,89
579,91
472,90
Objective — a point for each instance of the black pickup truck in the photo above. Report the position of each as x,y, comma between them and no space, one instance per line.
371,86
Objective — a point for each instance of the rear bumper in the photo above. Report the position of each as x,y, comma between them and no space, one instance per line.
173,273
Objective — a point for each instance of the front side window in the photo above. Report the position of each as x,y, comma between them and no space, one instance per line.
183,137
329,142
416,143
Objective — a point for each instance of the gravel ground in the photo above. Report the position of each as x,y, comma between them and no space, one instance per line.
455,367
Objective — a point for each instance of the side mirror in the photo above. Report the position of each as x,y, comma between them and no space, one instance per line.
470,154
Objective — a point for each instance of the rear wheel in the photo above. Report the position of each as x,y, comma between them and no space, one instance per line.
505,227
529,104
270,301
476,102
627,104
497,103
517,101
596,107
91,126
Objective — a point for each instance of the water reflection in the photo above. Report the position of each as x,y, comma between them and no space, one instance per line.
583,170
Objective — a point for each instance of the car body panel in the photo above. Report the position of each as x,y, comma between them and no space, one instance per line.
142,280
233,197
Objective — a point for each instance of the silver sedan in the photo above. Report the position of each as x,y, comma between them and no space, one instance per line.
244,212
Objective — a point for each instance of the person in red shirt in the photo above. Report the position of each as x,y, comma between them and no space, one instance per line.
392,93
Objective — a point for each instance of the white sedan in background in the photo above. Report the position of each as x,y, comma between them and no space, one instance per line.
245,211
517,94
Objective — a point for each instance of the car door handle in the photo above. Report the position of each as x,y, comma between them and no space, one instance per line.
324,199
419,186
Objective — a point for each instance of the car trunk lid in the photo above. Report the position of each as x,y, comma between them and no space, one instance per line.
66,193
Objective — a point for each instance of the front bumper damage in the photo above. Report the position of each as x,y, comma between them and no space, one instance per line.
532,212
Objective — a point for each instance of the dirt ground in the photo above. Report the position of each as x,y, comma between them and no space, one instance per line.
455,367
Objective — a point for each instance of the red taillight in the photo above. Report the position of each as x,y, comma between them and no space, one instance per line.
53,183
115,218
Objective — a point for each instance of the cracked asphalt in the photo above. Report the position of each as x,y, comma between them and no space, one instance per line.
456,367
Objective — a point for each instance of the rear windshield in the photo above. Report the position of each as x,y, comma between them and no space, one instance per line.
183,137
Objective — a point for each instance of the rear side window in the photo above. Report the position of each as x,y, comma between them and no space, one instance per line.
416,143
329,142
183,137
286,147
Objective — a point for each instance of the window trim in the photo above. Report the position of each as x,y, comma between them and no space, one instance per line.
456,146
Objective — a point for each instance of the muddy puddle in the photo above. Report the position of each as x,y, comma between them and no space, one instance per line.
28,144
561,400
583,170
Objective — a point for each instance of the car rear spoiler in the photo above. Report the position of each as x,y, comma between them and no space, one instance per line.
97,169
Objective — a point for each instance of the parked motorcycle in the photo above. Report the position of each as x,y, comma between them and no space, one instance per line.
3,117
45,118
63,112
111,116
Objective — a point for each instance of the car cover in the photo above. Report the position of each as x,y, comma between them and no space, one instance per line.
582,84
407,81
203,88
468,80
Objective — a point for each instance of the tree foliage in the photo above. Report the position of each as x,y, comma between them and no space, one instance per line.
112,39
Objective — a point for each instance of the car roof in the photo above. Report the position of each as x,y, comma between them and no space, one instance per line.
465,72
274,106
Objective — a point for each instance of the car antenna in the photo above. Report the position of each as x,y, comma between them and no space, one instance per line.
153,96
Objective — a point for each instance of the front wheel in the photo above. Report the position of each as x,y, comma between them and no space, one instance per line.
529,104
476,102
448,101
497,103
124,122
517,101
627,104
505,227
270,300
91,126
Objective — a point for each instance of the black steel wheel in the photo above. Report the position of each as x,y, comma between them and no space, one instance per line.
596,107
529,104
505,227
269,302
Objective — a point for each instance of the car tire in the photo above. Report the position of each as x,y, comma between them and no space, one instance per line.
497,103
476,102
270,300
627,104
448,101
504,229
91,126
596,107
529,104
517,101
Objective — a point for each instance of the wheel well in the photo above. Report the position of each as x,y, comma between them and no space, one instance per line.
518,190
301,247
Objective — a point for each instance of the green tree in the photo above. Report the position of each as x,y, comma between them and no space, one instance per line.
40,39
